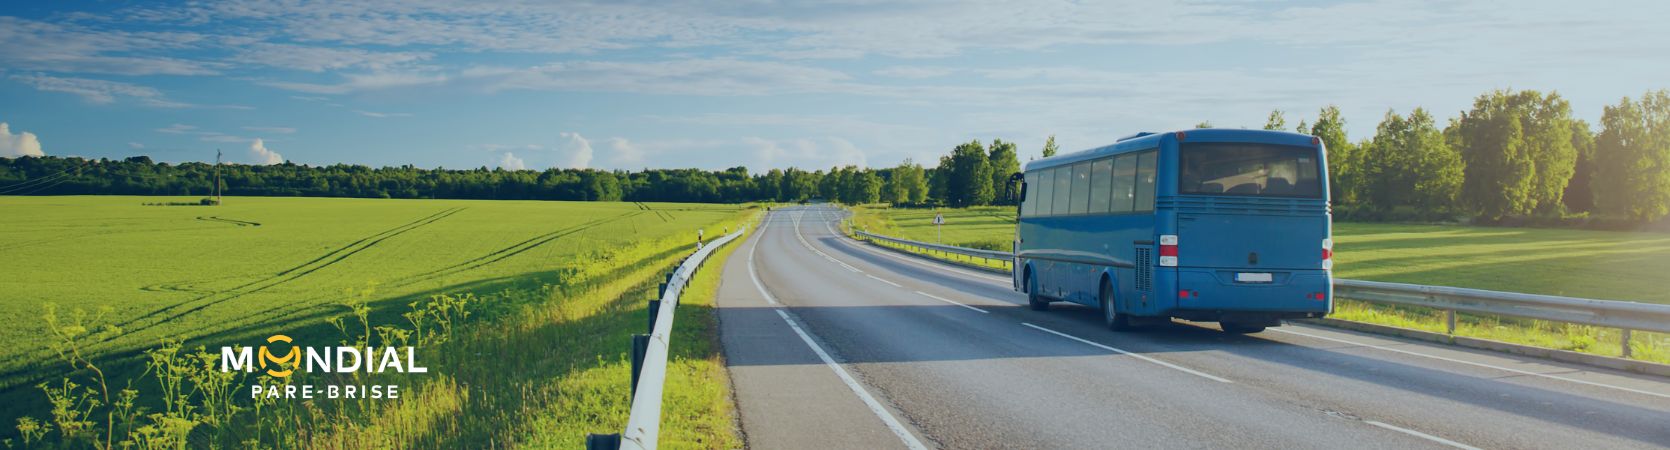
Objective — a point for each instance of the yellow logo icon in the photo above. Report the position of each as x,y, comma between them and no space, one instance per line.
287,362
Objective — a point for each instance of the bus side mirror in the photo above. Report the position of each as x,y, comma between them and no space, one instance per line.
1010,191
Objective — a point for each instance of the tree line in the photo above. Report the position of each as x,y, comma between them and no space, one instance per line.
1513,155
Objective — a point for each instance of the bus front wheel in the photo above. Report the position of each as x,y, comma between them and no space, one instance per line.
1110,315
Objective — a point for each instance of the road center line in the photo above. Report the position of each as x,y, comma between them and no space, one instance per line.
1138,356
1470,363
873,277
935,297
1421,435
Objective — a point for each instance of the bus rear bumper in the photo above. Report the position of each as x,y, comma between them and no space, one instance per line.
1211,295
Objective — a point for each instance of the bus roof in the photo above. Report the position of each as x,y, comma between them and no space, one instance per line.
1140,141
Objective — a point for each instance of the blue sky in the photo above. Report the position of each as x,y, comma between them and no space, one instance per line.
764,84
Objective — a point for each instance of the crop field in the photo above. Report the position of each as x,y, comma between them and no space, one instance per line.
535,272
1606,265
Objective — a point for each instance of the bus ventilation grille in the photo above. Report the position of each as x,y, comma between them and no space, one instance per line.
1145,270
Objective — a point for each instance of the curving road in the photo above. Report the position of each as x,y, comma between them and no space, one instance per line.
832,343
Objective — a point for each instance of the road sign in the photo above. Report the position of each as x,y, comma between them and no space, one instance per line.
939,219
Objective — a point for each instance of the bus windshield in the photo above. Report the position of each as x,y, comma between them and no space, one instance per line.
1250,170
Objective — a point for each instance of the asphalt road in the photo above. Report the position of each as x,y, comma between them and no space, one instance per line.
832,343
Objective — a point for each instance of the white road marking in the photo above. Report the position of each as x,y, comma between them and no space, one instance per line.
873,277
1126,353
808,246
1470,363
875,406
881,412
935,297
755,249
1420,435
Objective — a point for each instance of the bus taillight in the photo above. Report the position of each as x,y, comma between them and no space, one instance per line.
1327,254
1168,250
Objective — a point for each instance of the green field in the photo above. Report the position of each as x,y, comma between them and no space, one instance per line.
1579,263
555,287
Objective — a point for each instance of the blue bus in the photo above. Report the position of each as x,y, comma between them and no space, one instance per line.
1205,225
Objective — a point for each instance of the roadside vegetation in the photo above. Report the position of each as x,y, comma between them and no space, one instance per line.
521,312
1608,265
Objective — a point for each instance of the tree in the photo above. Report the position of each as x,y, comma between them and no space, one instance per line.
1003,161
1204,124
1276,121
1579,197
1632,158
1344,158
907,185
1408,164
1049,146
969,182
1518,150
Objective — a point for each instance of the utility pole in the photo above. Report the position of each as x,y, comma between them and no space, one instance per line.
217,177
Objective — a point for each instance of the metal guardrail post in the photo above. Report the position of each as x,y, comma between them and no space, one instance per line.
1624,339
596,441
640,345
654,311
1449,321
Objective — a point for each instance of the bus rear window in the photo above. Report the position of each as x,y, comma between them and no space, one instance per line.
1249,169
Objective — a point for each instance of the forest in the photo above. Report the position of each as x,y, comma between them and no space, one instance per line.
1515,156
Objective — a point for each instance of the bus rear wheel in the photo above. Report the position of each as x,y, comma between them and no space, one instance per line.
1238,328
1033,300
1115,321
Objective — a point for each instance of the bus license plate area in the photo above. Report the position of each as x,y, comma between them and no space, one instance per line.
1254,277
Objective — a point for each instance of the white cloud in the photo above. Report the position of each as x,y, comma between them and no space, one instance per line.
178,128
509,161
716,76
59,46
625,155
99,91
320,59
363,82
381,115
915,72
275,130
21,144
260,155
136,146
577,149
813,154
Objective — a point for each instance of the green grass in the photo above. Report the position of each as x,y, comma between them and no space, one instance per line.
557,289
1579,263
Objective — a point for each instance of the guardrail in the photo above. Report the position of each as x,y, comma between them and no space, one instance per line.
649,358
1623,315
990,255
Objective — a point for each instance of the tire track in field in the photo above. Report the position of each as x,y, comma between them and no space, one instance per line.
241,223
288,275
513,250
285,310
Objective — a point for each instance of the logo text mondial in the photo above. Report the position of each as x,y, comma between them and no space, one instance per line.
320,360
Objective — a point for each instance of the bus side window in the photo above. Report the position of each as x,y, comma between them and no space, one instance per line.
1101,185
1046,192
1124,183
1063,190
1029,203
1145,181
1080,196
